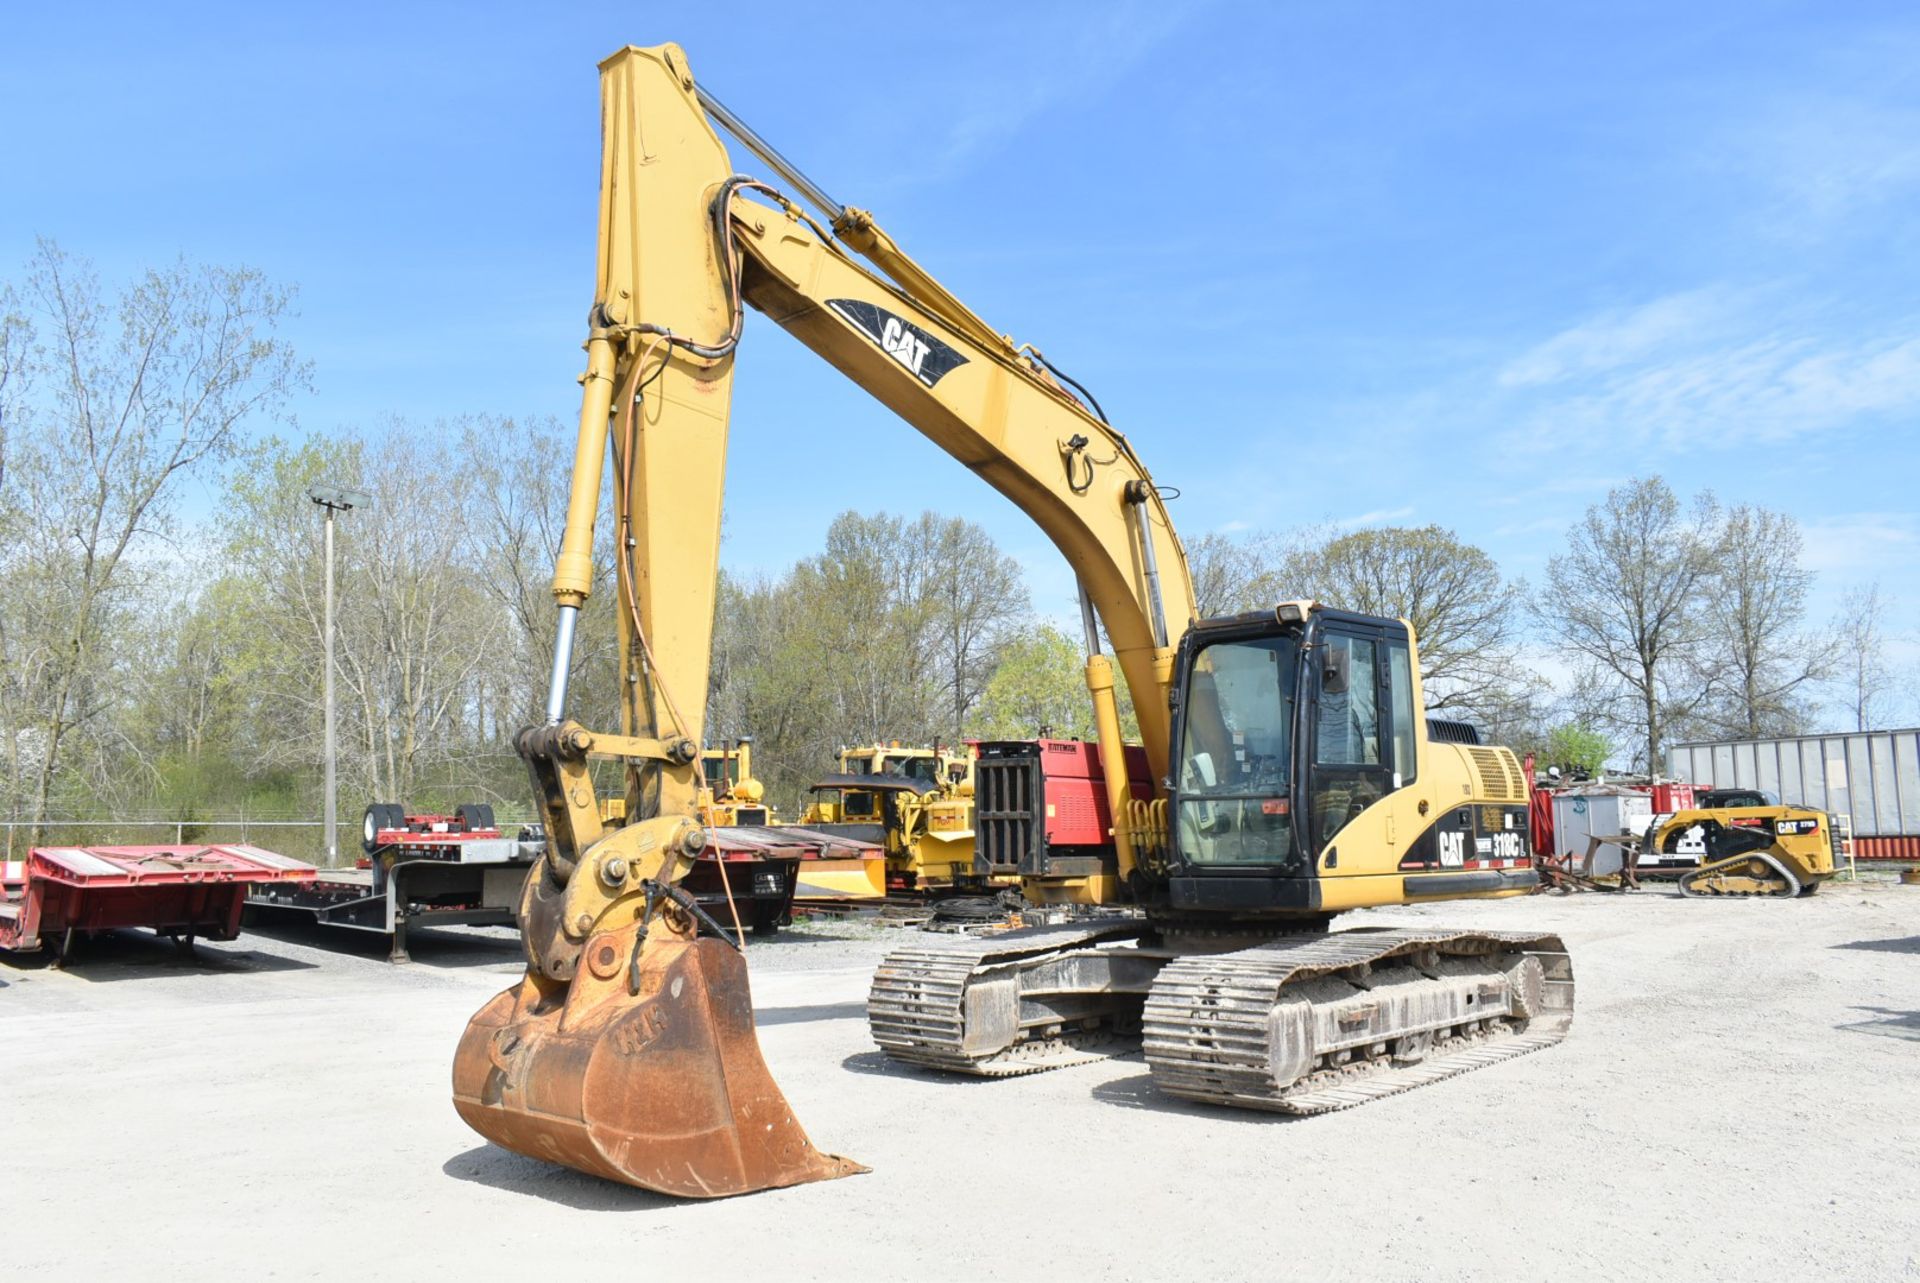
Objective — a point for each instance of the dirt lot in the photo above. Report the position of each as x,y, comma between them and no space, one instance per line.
1738,1099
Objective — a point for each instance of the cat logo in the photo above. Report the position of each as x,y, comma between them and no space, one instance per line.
909,350
925,356
1453,848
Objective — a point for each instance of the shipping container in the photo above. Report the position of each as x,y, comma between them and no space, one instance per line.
1871,777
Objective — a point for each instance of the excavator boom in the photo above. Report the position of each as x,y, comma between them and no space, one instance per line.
628,1048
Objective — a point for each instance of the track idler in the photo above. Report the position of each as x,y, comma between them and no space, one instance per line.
642,1068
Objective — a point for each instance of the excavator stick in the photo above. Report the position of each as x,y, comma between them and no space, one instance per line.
628,1051
645,1070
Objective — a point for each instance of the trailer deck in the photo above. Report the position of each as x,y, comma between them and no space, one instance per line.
183,890
435,874
438,877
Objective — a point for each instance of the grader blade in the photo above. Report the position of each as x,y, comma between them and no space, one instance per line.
641,1070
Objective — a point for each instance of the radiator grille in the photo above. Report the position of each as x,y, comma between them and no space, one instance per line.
1006,803
1499,772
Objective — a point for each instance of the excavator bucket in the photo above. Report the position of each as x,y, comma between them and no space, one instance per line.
644,1070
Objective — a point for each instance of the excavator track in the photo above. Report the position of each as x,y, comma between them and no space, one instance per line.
1304,1024
1312,1024
918,1008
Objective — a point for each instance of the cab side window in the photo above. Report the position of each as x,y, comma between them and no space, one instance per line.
1400,688
1349,731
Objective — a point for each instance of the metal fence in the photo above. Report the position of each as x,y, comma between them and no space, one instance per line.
1872,777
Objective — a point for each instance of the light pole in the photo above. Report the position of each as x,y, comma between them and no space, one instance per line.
332,499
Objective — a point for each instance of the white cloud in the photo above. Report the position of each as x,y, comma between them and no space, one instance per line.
1861,544
1089,52
1616,338
1373,518
1709,368
1829,156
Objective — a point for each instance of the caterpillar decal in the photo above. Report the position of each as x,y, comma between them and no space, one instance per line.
926,356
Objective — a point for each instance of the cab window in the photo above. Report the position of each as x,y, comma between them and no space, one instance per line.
1400,686
1349,730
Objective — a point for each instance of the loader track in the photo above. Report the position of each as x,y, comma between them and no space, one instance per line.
917,1006
1212,1022
1730,878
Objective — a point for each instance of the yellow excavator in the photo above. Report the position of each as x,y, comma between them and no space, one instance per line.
1292,776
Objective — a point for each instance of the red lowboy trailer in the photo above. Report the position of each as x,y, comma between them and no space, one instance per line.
60,892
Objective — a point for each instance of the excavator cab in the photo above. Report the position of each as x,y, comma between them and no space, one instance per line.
1304,781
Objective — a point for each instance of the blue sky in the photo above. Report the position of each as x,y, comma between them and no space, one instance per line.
1469,264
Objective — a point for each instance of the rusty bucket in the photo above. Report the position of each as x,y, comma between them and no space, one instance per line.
644,1070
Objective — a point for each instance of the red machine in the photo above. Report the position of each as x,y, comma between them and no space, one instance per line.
1670,798
1040,807
185,891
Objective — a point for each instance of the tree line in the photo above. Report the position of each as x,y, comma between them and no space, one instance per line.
161,606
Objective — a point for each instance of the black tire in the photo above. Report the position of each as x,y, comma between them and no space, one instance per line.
372,820
474,816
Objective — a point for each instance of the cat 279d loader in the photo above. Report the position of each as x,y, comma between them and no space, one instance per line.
1291,774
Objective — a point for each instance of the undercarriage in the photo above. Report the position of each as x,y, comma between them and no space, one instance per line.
1300,1023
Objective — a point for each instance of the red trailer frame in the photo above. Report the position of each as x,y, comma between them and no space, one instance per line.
183,890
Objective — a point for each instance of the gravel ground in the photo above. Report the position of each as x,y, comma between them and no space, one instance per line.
1737,1100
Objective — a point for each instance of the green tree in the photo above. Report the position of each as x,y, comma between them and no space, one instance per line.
1040,683
1576,749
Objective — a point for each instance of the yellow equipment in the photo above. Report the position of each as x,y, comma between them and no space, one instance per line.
730,794
1750,850
1300,777
918,804
933,768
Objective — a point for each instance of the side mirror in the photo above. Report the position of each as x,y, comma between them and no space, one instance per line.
1336,663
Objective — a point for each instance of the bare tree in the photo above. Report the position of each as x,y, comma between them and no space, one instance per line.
1232,572
1758,665
1860,655
1626,598
1464,613
137,394
523,470
978,598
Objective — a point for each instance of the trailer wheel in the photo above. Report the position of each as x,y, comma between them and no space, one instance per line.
379,816
474,816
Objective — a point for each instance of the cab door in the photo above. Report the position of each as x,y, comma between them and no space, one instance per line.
1351,767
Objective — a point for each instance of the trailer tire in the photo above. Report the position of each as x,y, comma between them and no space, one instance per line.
474,816
379,816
